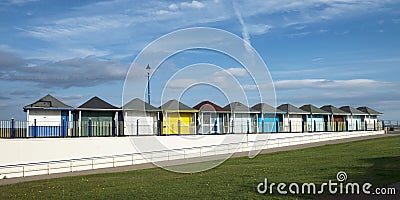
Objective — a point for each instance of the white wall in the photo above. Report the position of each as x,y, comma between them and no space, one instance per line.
123,151
20,151
44,117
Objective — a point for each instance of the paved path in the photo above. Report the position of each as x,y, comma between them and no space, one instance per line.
188,160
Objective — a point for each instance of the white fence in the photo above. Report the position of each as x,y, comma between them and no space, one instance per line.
71,165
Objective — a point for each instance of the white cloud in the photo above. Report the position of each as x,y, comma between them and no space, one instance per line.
193,4
173,7
17,2
162,12
82,72
100,18
258,29
78,25
238,72
317,59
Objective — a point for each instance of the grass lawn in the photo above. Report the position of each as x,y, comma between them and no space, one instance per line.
376,161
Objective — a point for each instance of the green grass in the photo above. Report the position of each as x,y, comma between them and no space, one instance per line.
376,161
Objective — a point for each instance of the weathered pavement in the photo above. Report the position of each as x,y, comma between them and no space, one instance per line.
188,160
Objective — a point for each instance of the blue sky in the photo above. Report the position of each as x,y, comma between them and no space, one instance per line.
339,52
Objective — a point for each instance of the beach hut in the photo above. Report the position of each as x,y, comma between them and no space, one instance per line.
316,119
371,119
355,118
48,117
97,117
140,118
268,118
178,118
337,118
212,118
293,118
242,118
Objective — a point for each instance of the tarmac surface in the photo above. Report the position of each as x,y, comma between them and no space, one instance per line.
191,160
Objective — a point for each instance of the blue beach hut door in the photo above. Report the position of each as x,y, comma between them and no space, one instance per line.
64,123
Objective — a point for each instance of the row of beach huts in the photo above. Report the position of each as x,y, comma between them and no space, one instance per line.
50,117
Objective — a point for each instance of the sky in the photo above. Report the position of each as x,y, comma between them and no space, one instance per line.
338,52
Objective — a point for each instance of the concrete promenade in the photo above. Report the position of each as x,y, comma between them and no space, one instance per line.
189,160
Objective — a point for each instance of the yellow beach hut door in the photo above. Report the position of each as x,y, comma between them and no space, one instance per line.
171,123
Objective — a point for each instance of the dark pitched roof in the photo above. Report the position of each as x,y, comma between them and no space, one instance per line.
265,108
313,110
333,110
352,110
369,111
139,105
290,109
237,107
175,105
48,102
208,106
97,103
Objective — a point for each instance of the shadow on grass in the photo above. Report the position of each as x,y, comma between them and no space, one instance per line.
383,172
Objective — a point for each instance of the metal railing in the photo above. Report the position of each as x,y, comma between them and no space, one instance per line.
392,123
91,163
22,129
44,129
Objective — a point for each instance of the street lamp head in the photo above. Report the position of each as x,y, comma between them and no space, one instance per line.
148,68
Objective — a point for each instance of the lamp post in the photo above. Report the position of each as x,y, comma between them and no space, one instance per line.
148,83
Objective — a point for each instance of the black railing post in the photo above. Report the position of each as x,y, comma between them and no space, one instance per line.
383,125
179,127
315,126
290,126
262,126
366,126
356,125
374,125
277,126
326,126
337,126
347,125
137,127
90,128
114,128
248,127
232,124
34,128
159,127
302,126
62,131
12,128
215,127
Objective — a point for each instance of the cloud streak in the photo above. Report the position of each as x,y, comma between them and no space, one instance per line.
329,84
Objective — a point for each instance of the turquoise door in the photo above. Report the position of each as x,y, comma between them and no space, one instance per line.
267,123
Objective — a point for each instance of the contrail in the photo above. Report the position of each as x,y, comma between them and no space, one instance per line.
245,32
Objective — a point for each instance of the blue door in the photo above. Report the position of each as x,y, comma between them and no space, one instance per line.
64,123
